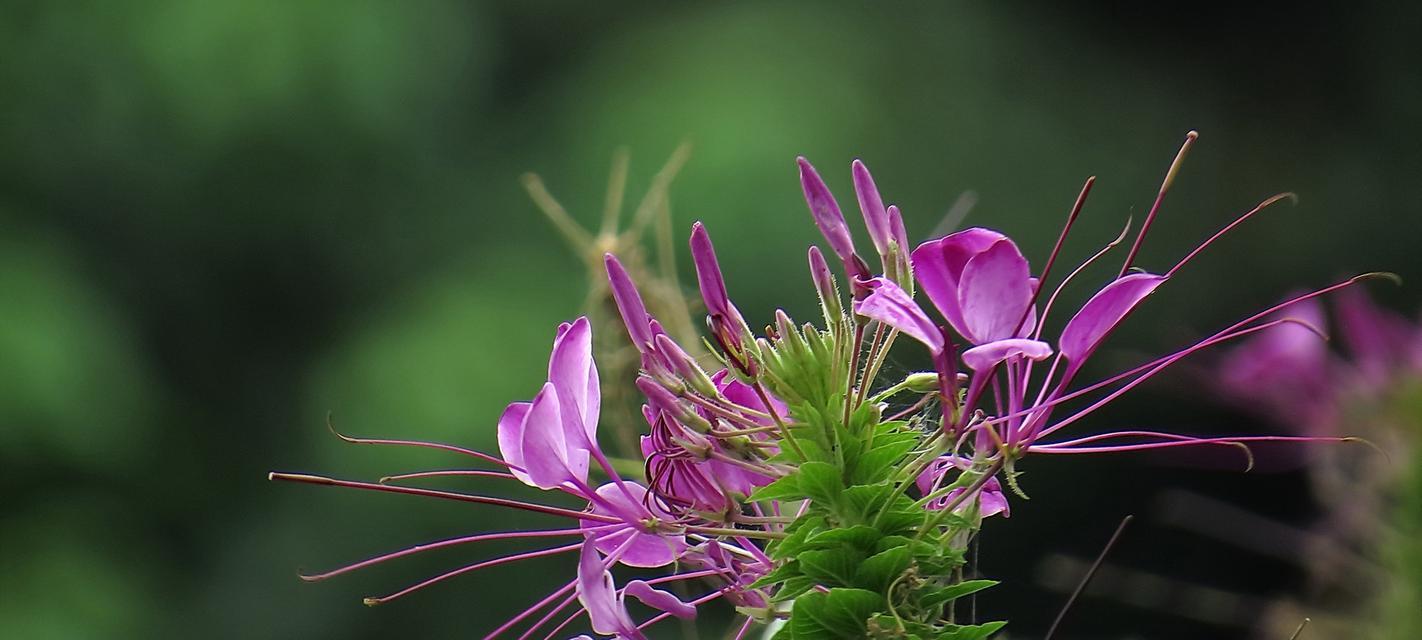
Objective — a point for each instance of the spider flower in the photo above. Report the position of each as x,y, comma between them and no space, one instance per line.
983,287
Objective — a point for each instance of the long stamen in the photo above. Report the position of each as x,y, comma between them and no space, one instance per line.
441,473
417,443
1159,198
572,597
446,495
1057,248
1055,448
1230,227
1157,367
430,546
745,628
473,567
1042,319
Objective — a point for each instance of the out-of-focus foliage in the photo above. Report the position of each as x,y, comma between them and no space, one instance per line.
220,220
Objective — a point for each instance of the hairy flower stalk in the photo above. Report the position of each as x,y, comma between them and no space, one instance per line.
784,477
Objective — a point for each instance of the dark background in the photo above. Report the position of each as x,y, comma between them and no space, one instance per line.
220,220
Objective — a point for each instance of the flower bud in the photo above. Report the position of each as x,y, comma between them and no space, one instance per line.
684,366
922,382
825,286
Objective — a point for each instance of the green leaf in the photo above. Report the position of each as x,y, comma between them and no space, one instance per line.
953,592
880,570
798,532
858,536
843,613
786,488
878,463
970,632
781,573
831,567
793,588
862,502
821,482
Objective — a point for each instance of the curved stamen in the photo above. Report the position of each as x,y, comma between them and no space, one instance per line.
1230,227
430,546
440,473
1150,369
1046,310
330,425
468,568
446,495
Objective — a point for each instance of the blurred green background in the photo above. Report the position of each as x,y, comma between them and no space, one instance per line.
221,220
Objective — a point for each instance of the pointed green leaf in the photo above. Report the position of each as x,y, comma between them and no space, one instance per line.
878,571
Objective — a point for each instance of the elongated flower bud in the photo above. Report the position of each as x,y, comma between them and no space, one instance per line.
685,366
825,211
903,267
663,400
725,321
825,286
876,218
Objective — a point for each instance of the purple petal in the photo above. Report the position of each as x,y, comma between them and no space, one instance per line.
646,549
1100,315
660,600
987,356
876,218
572,371
629,303
598,595
825,211
511,438
939,264
548,460
994,292
892,306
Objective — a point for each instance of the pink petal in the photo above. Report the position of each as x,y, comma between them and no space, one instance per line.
939,264
892,306
598,595
994,292
646,549
511,438
545,450
660,600
987,356
572,371
1085,331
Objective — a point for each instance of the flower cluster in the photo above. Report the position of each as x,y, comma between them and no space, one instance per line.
787,477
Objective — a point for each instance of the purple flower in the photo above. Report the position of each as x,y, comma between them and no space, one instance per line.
633,542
